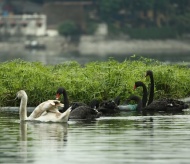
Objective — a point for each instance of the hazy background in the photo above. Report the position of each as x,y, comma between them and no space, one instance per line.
90,30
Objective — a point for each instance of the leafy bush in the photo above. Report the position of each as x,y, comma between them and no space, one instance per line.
152,33
101,80
68,28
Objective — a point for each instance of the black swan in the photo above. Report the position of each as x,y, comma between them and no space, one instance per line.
151,93
85,112
114,106
164,104
80,110
145,92
63,91
109,107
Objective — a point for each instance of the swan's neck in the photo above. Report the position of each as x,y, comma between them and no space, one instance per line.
151,95
65,101
139,105
145,94
23,106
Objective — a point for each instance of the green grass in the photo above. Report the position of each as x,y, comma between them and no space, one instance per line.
101,80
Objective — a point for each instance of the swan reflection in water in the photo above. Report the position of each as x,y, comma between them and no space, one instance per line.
35,137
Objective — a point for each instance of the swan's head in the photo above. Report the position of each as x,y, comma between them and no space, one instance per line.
60,91
109,104
138,84
149,73
94,104
108,107
21,94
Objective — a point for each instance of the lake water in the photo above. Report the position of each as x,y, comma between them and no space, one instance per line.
52,58
160,139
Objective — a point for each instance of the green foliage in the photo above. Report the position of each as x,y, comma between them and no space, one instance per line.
142,5
152,33
162,5
36,79
182,22
101,80
170,19
68,28
109,9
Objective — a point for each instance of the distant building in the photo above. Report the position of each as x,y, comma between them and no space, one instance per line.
23,25
58,12
17,18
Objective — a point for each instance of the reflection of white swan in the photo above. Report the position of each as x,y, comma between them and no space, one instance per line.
53,132
33,135
50,131
23,131
44,112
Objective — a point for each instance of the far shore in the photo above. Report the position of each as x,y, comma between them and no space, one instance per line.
91,45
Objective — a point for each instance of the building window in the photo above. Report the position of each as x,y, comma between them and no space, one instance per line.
38,23
24,24
13,24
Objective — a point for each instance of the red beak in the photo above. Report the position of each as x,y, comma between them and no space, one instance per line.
135,87
57,96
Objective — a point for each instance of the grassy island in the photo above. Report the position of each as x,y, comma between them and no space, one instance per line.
101,80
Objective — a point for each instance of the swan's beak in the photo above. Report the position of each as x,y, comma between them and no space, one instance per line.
14,99
135,87
58,96
17,97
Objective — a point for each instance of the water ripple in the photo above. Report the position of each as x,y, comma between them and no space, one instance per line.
123,139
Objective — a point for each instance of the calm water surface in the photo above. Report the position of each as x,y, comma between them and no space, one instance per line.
108,140
46,57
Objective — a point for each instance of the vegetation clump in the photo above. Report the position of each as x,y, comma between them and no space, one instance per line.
101,80
68,28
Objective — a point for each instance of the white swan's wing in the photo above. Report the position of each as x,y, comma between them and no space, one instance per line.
49,117
65,116
55,116
45,107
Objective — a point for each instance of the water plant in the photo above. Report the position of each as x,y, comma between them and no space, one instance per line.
101,80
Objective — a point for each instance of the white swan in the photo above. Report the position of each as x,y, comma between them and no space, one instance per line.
44,112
